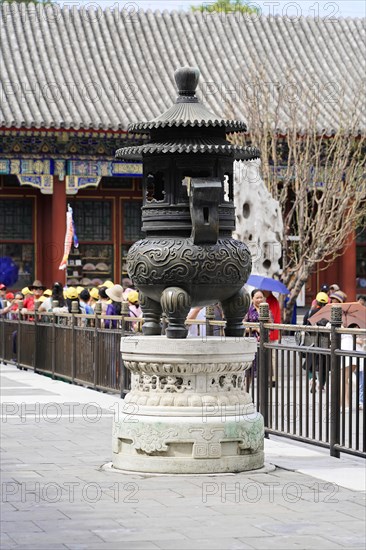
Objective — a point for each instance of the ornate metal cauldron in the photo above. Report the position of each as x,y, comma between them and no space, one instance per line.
188,257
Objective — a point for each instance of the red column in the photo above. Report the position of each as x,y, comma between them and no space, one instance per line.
347,268
56,239
117,233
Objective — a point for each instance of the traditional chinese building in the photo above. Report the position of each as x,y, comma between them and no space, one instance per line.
73,79
36,188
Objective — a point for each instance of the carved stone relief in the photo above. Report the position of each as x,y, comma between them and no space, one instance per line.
146,438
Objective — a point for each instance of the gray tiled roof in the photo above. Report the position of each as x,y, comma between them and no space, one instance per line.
64,68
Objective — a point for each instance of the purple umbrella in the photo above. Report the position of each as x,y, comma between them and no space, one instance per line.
266,283
8,271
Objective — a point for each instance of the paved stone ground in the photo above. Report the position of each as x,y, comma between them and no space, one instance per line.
58,494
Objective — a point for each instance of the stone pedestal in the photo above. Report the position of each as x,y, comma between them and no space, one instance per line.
188,411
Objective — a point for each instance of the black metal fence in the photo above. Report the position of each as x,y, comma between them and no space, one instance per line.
308,385
71,347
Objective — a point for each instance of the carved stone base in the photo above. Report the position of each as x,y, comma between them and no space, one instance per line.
187,411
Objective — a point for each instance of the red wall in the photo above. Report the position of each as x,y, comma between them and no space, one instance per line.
50,234
341,272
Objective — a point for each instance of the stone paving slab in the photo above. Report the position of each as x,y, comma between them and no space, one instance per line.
132,545
294,543
58,494
9,392
9,383
207,544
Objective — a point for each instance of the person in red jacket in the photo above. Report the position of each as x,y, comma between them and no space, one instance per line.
274,335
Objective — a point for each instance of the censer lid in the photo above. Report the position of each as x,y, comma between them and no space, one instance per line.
188,112
187,109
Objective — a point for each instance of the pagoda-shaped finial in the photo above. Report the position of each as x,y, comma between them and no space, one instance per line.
186,79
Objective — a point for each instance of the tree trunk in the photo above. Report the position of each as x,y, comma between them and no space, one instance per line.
294,283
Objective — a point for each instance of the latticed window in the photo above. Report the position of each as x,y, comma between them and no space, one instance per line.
93,220
16,219
132,221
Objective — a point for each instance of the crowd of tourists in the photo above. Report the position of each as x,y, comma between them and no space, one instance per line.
80,300
315,364
108,298
317,372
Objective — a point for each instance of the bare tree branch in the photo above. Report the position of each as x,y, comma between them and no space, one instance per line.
318,179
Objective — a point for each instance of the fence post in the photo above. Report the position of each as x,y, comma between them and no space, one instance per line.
97,312
55,303
262,364
2,333
37,303
16,336
125,312
74,309
335,425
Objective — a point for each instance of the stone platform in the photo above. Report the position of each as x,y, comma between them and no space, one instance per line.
188,411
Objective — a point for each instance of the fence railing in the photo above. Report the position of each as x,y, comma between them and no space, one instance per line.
73,347
308,385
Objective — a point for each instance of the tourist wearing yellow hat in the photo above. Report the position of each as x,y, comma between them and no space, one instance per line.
106,284
315,364
94,293
72,296
94,297
26,291
72,293
321,300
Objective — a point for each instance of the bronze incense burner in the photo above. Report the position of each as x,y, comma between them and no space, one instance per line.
188,257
